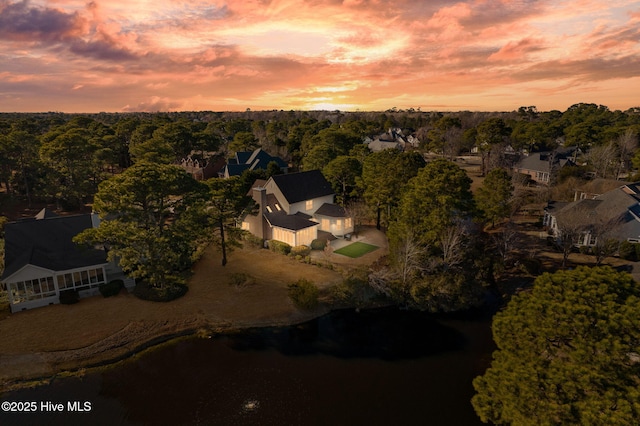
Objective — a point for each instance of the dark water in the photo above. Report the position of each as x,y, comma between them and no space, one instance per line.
385,367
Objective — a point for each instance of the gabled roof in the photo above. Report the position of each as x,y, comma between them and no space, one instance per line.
292,222
619,207
541,161
45,213
599,186
47,243
331,210
303,186
252,160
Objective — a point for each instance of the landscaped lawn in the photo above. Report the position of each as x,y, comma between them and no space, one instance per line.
356,249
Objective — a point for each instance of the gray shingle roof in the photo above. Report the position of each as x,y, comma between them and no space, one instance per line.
253,160
331,210
47,243
292,222
303,186
541,161
619,207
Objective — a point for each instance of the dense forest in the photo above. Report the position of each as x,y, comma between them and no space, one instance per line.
438,259
63,157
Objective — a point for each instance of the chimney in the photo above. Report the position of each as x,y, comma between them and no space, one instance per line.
260,197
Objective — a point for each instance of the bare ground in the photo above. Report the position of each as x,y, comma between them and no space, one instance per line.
40,343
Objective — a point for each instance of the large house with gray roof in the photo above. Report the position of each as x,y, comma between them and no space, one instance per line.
251,160
540,167
293,208
617,210
42,261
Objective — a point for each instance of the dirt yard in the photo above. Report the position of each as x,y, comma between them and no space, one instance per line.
37,344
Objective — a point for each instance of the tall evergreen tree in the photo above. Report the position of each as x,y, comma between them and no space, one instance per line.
568,353
494,196
144,213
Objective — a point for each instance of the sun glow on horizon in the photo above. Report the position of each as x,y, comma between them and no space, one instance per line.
143,55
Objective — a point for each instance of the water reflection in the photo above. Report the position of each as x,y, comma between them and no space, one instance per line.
388,334
388,367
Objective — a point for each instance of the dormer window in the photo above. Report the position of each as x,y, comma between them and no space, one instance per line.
269,209
278,207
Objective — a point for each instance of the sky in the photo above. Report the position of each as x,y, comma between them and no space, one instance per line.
367,55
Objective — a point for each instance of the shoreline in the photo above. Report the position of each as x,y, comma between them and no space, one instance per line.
41,344
76,362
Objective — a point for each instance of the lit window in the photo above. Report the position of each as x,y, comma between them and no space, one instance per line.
309,205
278,207
269,209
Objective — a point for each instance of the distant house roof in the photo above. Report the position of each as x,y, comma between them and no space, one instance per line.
542,161
620,207
392,139
303,186
252,160
47,242
380,145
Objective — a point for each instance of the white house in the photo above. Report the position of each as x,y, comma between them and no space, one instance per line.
294,207
41,261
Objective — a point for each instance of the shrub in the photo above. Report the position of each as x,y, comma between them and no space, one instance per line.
252,240
304,293
112,288
69,297
531,265
318,244
627,251
353,290
3,221
300,251
584,249
241,279
169,292
279,247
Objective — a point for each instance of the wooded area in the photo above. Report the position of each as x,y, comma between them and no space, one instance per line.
67,159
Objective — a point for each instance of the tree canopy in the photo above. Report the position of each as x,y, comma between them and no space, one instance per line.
150,220
568,353
494,196
437,197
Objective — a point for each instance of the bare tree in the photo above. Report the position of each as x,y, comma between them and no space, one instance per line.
407,264
359,213
505,241
603,159
584,223
453,242
602,230
626,144
452,142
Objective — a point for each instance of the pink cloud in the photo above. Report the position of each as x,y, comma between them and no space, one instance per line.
21,22
515,50
282,53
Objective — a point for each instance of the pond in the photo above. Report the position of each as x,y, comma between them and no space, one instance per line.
377,367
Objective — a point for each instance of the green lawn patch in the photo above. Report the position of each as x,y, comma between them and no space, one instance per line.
356,249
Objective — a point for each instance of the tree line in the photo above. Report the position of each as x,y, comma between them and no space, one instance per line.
65,156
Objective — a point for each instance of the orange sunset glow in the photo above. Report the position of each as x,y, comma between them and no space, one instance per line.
172,55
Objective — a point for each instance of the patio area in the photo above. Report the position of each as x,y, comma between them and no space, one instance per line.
367,235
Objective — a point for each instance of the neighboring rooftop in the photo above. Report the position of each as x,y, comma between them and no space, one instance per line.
46,241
